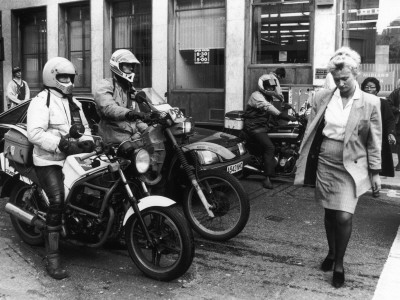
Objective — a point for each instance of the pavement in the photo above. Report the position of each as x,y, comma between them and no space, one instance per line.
388,286
392,182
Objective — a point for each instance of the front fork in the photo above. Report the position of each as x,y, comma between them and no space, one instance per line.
134,203
190,173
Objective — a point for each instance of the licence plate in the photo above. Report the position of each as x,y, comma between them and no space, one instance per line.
235,168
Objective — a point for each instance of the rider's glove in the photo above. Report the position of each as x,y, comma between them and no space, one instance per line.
69,147
134,115
286,117
86,146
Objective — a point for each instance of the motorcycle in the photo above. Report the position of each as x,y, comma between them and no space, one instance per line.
286,138
214,201
105,200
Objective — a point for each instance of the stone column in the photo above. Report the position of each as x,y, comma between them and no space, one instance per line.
52,29
234,53
7,63
97,41
159,64
324,38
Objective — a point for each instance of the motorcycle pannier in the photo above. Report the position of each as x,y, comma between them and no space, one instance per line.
234,119
17,148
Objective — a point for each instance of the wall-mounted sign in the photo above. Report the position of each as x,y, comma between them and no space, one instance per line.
385,78
201,56
282,55
320,73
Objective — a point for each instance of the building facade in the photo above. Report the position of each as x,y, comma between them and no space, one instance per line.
204,55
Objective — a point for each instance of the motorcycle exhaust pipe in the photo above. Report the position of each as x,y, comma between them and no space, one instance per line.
24,216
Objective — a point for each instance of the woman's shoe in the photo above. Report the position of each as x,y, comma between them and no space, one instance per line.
338,279
327,264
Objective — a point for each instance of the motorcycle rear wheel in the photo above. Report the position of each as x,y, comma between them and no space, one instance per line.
172,251
230,205
26,198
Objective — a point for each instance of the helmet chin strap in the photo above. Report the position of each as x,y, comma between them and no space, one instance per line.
58,92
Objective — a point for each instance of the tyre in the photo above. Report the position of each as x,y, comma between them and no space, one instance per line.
27,198
229,201
172,251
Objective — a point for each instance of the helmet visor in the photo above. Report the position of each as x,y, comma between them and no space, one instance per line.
65,78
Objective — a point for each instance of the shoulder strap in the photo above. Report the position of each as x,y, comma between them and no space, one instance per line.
48,98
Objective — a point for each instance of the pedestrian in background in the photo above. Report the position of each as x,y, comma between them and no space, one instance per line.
394,101
17,89
371,85
341,154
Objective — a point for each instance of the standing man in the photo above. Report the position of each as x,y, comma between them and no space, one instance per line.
17,89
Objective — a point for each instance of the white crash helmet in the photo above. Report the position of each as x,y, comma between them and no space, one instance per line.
265,81
59,66
123,56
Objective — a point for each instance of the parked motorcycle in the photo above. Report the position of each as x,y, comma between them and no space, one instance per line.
105,200
286,138
213,201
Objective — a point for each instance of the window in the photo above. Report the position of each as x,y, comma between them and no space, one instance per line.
131,29
78,21
200,44
281,31
33,47
372,28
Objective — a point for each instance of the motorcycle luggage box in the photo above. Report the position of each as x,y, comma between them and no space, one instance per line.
234,119
17,148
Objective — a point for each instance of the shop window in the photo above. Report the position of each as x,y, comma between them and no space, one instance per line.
200,44
131,29
78,21
281,31
372,28
33,47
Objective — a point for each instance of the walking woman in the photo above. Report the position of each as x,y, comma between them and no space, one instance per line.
371,85
341,154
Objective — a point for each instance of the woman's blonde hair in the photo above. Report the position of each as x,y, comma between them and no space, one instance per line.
345,57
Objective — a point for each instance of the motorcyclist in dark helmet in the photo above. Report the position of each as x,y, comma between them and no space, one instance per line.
257,116
120,116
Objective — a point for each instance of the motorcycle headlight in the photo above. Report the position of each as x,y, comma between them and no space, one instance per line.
242,149
141,160
185,127
207,157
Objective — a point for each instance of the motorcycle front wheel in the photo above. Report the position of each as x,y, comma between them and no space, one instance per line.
27,198
171,252
229,203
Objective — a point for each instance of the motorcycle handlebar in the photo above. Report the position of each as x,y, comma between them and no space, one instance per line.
87,155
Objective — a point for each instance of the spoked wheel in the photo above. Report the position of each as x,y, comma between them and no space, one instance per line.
230,205
27,198
172,251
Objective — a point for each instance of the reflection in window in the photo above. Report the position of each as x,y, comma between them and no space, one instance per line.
281,31
33,47
78,20
372,28
200,44
132,31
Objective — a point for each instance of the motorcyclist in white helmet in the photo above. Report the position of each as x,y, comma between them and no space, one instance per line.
50,116
257,116
121,119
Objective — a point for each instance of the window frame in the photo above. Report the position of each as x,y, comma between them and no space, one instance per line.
85,51
250,39
146,79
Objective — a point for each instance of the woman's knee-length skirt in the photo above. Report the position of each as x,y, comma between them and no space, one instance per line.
335,188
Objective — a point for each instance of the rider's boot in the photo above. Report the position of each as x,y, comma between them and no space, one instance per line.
267,183
52,236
